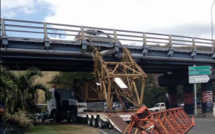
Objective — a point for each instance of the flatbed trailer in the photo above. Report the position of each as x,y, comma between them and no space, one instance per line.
95,114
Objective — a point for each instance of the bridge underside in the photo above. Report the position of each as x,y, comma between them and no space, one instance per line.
19,55
69,64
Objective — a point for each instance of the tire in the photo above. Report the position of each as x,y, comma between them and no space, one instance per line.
55,117
110,126
100,123
156,110
89,121
75,119
94,121
68,119
40,119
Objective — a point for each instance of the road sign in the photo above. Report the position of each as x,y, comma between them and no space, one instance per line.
199,79
199,72
199,67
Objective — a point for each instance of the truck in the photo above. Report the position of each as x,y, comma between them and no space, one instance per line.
158,107
61,104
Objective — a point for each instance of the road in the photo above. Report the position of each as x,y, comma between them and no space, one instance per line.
204,125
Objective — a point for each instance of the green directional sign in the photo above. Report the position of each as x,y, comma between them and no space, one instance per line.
199,67
199,72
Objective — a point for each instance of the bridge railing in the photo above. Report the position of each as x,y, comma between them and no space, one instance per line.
21,30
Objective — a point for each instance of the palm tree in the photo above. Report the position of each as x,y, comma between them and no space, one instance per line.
19,91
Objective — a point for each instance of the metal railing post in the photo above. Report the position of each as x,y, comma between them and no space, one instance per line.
171,50
213,43
45,30
144,39
170,41
115,36
4,35
83,42
193,54
145,47
46,38
193,43
82,33
116,42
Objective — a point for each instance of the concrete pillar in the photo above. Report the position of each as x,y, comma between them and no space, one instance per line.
188,98
172,91
207,97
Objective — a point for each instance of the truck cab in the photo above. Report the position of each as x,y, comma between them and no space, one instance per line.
158,107
61,104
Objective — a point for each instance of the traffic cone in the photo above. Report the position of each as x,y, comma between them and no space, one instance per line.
193,121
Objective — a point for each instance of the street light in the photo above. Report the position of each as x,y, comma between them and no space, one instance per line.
212,22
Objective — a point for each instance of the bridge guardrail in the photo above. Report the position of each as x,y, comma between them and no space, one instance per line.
22,30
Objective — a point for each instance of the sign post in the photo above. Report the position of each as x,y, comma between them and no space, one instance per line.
198,74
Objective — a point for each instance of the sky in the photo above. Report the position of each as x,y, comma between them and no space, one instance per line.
178,17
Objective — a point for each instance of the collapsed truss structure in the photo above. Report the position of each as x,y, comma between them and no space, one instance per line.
123,80
171,121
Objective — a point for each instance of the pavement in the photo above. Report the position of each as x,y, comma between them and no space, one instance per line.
205,124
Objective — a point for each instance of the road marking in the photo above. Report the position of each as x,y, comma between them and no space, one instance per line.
206,119
102,131
198,132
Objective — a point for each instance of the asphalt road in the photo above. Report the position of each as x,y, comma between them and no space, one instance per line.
204,125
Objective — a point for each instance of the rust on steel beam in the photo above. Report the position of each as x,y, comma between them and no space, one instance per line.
172,121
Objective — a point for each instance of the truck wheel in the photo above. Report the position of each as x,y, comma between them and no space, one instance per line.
40,119
156,110
68,119
55,117
94,121
75,119
89,121
100,123
110,126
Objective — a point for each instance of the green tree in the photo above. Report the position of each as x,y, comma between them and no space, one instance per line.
65,79
19,91
153,92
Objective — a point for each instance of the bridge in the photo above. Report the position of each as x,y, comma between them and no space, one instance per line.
52,46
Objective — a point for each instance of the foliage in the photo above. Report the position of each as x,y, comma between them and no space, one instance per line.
65,79
153,92
19,119
19,91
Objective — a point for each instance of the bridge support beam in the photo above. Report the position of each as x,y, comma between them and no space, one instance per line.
188,98
207,97
172,91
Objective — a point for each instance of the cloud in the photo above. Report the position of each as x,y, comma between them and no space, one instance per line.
12,8
10,4
168,16
9,14
28,10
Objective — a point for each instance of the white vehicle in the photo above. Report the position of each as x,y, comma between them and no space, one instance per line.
158,107
61,104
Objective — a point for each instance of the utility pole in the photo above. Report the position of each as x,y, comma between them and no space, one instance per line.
212,24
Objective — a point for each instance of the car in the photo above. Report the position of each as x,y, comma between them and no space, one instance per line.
158,107
181,105
93,35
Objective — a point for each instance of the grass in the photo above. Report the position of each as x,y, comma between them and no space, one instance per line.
61,129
